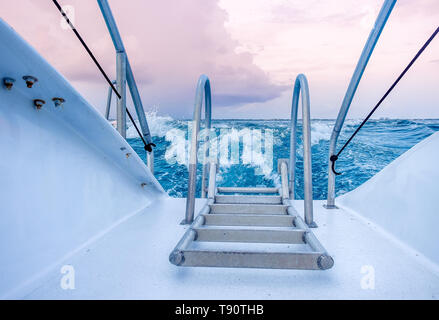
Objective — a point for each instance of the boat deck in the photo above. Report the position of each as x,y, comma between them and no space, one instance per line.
131,262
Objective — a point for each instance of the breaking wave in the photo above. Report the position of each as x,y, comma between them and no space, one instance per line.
258,144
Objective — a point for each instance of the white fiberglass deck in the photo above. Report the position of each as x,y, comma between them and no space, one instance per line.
131,261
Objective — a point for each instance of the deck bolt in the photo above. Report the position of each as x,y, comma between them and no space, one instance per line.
30,80
58,101
38,103
8,82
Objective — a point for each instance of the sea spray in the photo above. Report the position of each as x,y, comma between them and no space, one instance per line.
378,144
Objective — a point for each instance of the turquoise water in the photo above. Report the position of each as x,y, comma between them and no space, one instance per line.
376,145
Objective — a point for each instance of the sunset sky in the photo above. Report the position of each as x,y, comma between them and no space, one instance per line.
252,51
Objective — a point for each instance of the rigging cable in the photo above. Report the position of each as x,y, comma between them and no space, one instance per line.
334,157
147,146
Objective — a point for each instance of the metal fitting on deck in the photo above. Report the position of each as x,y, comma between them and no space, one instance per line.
58,101
38,103
30,80
294,221
195,235
8,83
176,257
304,237
325,262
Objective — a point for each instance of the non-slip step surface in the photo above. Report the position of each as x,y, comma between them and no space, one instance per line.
248,208
249,235
231,199
221,219
250,246
244,259
247,190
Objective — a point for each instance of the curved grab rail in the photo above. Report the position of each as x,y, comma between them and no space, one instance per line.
301,86
203,90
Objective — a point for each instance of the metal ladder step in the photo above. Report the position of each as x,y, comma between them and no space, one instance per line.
247,190
220,219
250,246
248,208
293,236
230,199
252,259
186,253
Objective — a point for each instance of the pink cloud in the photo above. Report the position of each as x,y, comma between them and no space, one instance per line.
169,44
251,49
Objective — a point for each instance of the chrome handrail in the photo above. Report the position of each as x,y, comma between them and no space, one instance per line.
203,90
301,86
110,93
355,80
127,78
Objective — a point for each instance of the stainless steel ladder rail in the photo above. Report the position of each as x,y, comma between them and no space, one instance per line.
177,255
325,261
374,35
203,91
110,94
301,86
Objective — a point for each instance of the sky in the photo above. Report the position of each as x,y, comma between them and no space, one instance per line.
252,51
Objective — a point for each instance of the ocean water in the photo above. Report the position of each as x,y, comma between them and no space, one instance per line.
249,149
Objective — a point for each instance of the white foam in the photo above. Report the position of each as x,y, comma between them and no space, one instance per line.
158,125
320,130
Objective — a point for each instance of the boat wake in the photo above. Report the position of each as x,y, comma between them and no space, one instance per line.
253,160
